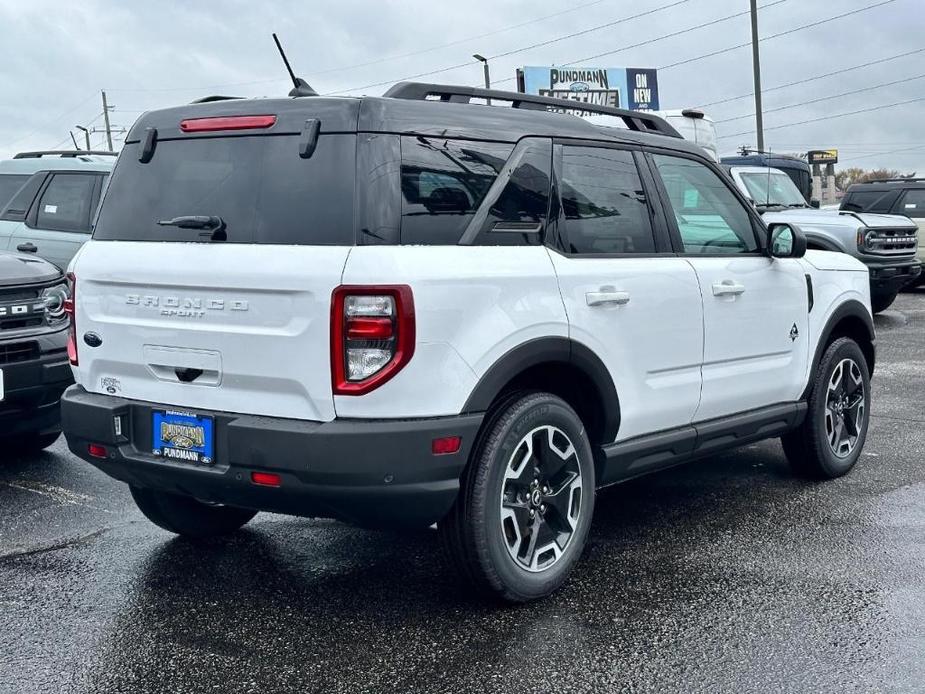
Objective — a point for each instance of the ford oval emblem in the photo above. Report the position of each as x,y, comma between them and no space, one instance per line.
580,87
92,339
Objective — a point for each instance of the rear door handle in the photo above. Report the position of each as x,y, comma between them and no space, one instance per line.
27,248
728,288
608,297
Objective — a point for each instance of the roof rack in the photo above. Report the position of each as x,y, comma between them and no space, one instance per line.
639,121
898,179
66,153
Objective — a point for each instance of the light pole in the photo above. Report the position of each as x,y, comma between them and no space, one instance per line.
484,61
86,134
756,66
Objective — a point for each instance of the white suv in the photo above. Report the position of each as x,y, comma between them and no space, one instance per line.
416,310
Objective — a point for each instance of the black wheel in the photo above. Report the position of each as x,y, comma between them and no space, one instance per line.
523,513
830,440
881,302
29,443
186,516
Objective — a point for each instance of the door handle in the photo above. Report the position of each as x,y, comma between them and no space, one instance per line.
607,297
27,247
728,288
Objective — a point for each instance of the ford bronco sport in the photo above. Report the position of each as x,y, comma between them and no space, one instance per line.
418,309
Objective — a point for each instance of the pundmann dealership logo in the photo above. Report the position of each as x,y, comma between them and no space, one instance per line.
589,86
630,87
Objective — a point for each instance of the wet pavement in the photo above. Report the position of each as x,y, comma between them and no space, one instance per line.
725,575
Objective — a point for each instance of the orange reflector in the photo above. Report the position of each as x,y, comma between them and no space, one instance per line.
97,451
203,125
446,445
266,479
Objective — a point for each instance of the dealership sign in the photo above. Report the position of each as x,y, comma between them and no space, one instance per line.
822,156
619,87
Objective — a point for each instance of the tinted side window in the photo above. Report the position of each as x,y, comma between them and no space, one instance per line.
443,182
66,203
517,215
710,218
912,204
870,201
603,202
9,184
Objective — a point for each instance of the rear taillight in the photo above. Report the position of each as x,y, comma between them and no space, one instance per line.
372,336
69,309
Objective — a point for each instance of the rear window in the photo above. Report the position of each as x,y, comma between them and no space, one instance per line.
259,186
9,185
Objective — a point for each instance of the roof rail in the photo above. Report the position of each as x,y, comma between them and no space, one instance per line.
640,121
898,179
65,153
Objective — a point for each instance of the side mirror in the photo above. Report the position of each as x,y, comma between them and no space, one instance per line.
786,241
814,204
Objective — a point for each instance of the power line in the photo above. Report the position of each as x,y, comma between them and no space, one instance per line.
826,98
371,62
520,50
904,150
828,117
51,122
812,79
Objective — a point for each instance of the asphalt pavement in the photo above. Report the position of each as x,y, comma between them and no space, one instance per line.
724,575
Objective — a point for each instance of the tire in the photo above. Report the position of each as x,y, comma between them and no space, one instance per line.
881,302
32,442
493,542
188,517
821,448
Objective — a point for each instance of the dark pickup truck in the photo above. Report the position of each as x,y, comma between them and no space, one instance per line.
34,367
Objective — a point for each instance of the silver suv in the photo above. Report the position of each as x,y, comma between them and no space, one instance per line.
47,201
885,243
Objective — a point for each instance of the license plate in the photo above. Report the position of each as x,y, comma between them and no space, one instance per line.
184,437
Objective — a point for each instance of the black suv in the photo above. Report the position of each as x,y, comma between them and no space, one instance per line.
34,368
904,196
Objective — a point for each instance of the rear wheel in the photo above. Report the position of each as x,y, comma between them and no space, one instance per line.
831,438
186,516
29,443
525,506
881,302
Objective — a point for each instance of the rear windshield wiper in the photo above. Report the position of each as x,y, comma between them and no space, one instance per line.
213,224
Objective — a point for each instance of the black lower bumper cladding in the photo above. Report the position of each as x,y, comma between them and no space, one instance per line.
376,473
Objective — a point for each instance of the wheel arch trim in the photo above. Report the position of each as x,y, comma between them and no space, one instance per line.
849,310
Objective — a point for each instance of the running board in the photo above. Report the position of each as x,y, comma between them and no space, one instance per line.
664,449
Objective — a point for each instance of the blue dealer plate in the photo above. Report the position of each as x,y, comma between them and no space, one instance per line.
184,437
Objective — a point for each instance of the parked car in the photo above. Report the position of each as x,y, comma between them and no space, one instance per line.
886,244
47,201
797,169
413,310
904,196
34,368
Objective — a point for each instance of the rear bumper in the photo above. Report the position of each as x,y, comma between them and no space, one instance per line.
888,277
32,388
375,473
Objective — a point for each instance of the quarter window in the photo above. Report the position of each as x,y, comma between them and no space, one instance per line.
710,218
443,182
603,202
65,204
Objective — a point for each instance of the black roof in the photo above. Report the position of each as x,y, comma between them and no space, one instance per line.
409,114
888,184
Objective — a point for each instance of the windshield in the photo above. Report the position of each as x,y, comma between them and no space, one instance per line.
772,189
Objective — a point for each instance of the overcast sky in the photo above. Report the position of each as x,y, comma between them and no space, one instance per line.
57,56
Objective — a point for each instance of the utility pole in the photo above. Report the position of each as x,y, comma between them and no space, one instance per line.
756,65
73,139
86,134
106,108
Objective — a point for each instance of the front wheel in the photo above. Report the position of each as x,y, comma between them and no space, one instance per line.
830,440
187,516
881,302
523,513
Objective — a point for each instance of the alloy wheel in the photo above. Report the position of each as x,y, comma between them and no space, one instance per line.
844,408
541,498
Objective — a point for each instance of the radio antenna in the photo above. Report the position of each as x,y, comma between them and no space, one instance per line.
300,87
